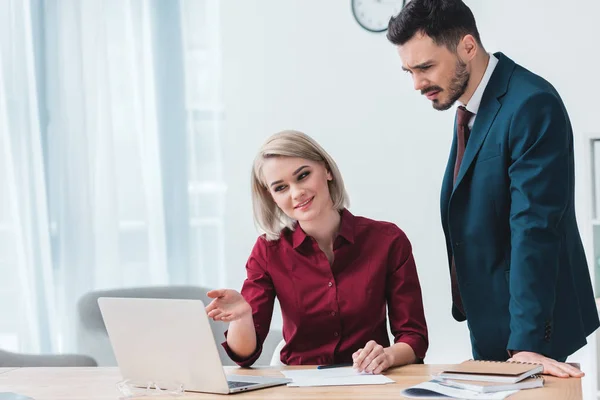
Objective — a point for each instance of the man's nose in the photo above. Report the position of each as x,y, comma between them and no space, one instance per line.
420,83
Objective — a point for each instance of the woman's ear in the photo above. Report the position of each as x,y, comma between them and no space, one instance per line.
329,175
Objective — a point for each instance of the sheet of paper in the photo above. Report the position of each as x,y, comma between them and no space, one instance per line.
432,390
333,377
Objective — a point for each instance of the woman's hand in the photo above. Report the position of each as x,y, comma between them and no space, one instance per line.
228,305
372,358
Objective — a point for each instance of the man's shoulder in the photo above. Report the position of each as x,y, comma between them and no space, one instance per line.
525,83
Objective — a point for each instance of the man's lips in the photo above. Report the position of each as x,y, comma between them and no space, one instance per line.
432,94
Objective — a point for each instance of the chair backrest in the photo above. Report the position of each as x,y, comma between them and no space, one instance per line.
276,358
18,360
92,337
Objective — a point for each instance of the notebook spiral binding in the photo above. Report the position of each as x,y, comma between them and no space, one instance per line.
502,362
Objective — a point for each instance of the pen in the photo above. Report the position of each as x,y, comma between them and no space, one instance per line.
334,366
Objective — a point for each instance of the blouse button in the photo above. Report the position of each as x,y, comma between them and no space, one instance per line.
335,334
330,284
333,313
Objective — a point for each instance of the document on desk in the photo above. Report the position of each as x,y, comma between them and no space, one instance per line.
333,377
433,390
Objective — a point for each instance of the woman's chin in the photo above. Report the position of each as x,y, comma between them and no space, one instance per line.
306,216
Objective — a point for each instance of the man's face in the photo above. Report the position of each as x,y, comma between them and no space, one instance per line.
437,73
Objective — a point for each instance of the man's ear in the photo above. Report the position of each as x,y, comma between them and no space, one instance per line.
468,47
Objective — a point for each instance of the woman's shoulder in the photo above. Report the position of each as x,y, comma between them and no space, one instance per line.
382,235
383,227
285,236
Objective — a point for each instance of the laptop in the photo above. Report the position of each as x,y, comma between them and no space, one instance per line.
169,342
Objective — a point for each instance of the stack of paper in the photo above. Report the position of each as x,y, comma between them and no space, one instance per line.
479,380
534,381
333,377
433,390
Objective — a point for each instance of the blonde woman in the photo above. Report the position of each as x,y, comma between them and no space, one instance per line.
334,273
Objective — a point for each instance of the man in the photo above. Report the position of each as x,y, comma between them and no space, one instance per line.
518,270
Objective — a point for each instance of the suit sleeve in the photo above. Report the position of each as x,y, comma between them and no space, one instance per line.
540,176
259,292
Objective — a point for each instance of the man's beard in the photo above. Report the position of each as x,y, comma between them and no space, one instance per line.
458,86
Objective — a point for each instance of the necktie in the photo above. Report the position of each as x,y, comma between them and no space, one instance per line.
463,116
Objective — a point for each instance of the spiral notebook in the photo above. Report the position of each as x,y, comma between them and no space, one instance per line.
491,371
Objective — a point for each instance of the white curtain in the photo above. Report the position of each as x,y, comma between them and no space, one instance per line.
103,154
25,252
83,166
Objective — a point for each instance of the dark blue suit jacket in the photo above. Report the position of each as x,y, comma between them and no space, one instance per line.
509,221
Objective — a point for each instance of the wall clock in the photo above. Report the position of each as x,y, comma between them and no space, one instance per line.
374,15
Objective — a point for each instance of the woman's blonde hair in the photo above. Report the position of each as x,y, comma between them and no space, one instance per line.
267,215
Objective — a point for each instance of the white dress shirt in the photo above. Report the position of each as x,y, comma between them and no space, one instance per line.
475,101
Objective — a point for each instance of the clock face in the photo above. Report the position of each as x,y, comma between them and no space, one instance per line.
374,15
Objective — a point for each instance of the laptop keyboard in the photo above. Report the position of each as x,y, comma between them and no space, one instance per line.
237,384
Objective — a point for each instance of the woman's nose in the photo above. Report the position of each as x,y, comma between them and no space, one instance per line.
297,193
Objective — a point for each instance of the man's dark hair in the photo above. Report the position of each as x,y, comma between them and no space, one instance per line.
444,21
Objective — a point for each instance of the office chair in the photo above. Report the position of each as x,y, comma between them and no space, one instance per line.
16,360
92,337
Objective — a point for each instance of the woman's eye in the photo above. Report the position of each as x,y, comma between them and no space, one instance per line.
279,188
303,175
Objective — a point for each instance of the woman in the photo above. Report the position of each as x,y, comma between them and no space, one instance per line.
333,273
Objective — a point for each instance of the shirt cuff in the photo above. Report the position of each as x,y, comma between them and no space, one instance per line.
511,353
244,362
417,343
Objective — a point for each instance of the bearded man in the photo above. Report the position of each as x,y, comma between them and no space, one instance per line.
517,265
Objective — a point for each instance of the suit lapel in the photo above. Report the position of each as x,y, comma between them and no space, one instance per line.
483,122
487,112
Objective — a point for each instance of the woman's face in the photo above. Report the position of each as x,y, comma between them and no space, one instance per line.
298,186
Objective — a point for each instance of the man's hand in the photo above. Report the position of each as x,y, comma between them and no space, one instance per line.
372,358
551,367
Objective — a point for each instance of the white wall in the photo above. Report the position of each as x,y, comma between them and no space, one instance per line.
306,65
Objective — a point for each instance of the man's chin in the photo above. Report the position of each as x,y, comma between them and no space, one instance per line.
441,106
